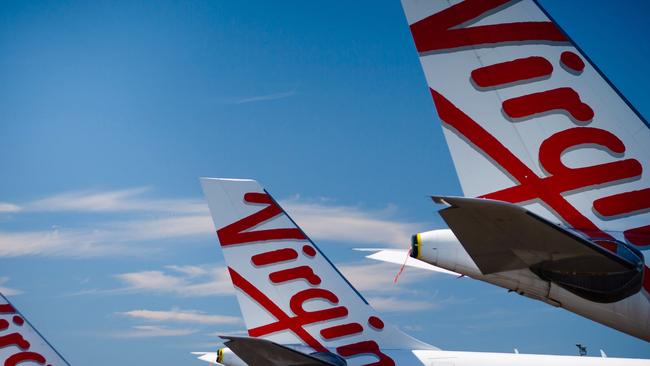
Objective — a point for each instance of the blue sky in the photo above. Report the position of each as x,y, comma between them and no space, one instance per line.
110,111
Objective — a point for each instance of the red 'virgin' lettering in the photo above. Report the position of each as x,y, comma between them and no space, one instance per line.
274,256
284,321
563,179
504,73
302,272
623,203
366,347
375,322
530,185
438,32
7,309
25,356
236,233
638,236
14,339
572,62
298,300
18,320
561,99
341,330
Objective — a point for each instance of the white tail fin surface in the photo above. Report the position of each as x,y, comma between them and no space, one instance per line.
288,291
530,120
21,343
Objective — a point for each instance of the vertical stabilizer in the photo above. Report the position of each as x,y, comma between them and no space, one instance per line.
530,120
20,343
288,291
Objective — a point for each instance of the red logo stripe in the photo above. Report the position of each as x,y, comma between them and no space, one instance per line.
555,100
623,203
274,256
435,32
531,186
503,73
284,321
638,236
236,233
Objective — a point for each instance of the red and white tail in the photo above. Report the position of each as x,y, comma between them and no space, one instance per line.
21,343
530,120
288,291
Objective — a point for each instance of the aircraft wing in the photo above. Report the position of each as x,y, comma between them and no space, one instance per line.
261,352
501,236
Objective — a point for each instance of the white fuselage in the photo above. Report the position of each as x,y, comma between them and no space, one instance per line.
630,315
452,358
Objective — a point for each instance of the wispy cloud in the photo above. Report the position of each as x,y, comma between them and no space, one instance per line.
8,207
351,224
131,199
8,291
395,304
159,219
56,242
150,331
187,281
181,316
376,281
155,219
240,332
111,238
184,218
262,97
379,277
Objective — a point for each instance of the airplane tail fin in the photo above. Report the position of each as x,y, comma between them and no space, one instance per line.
288,291
21,342
530,120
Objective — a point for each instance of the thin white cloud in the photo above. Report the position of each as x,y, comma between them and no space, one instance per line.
377,282
113,238
8,207
187,281
72,243
150,331
240,332
172,218
394,304
351,224
191,271
162,219
151,280
181,316
166,228
380,277
113,201
8,291
262,98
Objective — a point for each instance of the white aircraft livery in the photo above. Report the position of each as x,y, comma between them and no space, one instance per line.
552,159
299,309
20,342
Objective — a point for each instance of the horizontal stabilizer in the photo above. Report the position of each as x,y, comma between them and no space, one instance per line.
500,236
209,357
398,256
258,352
